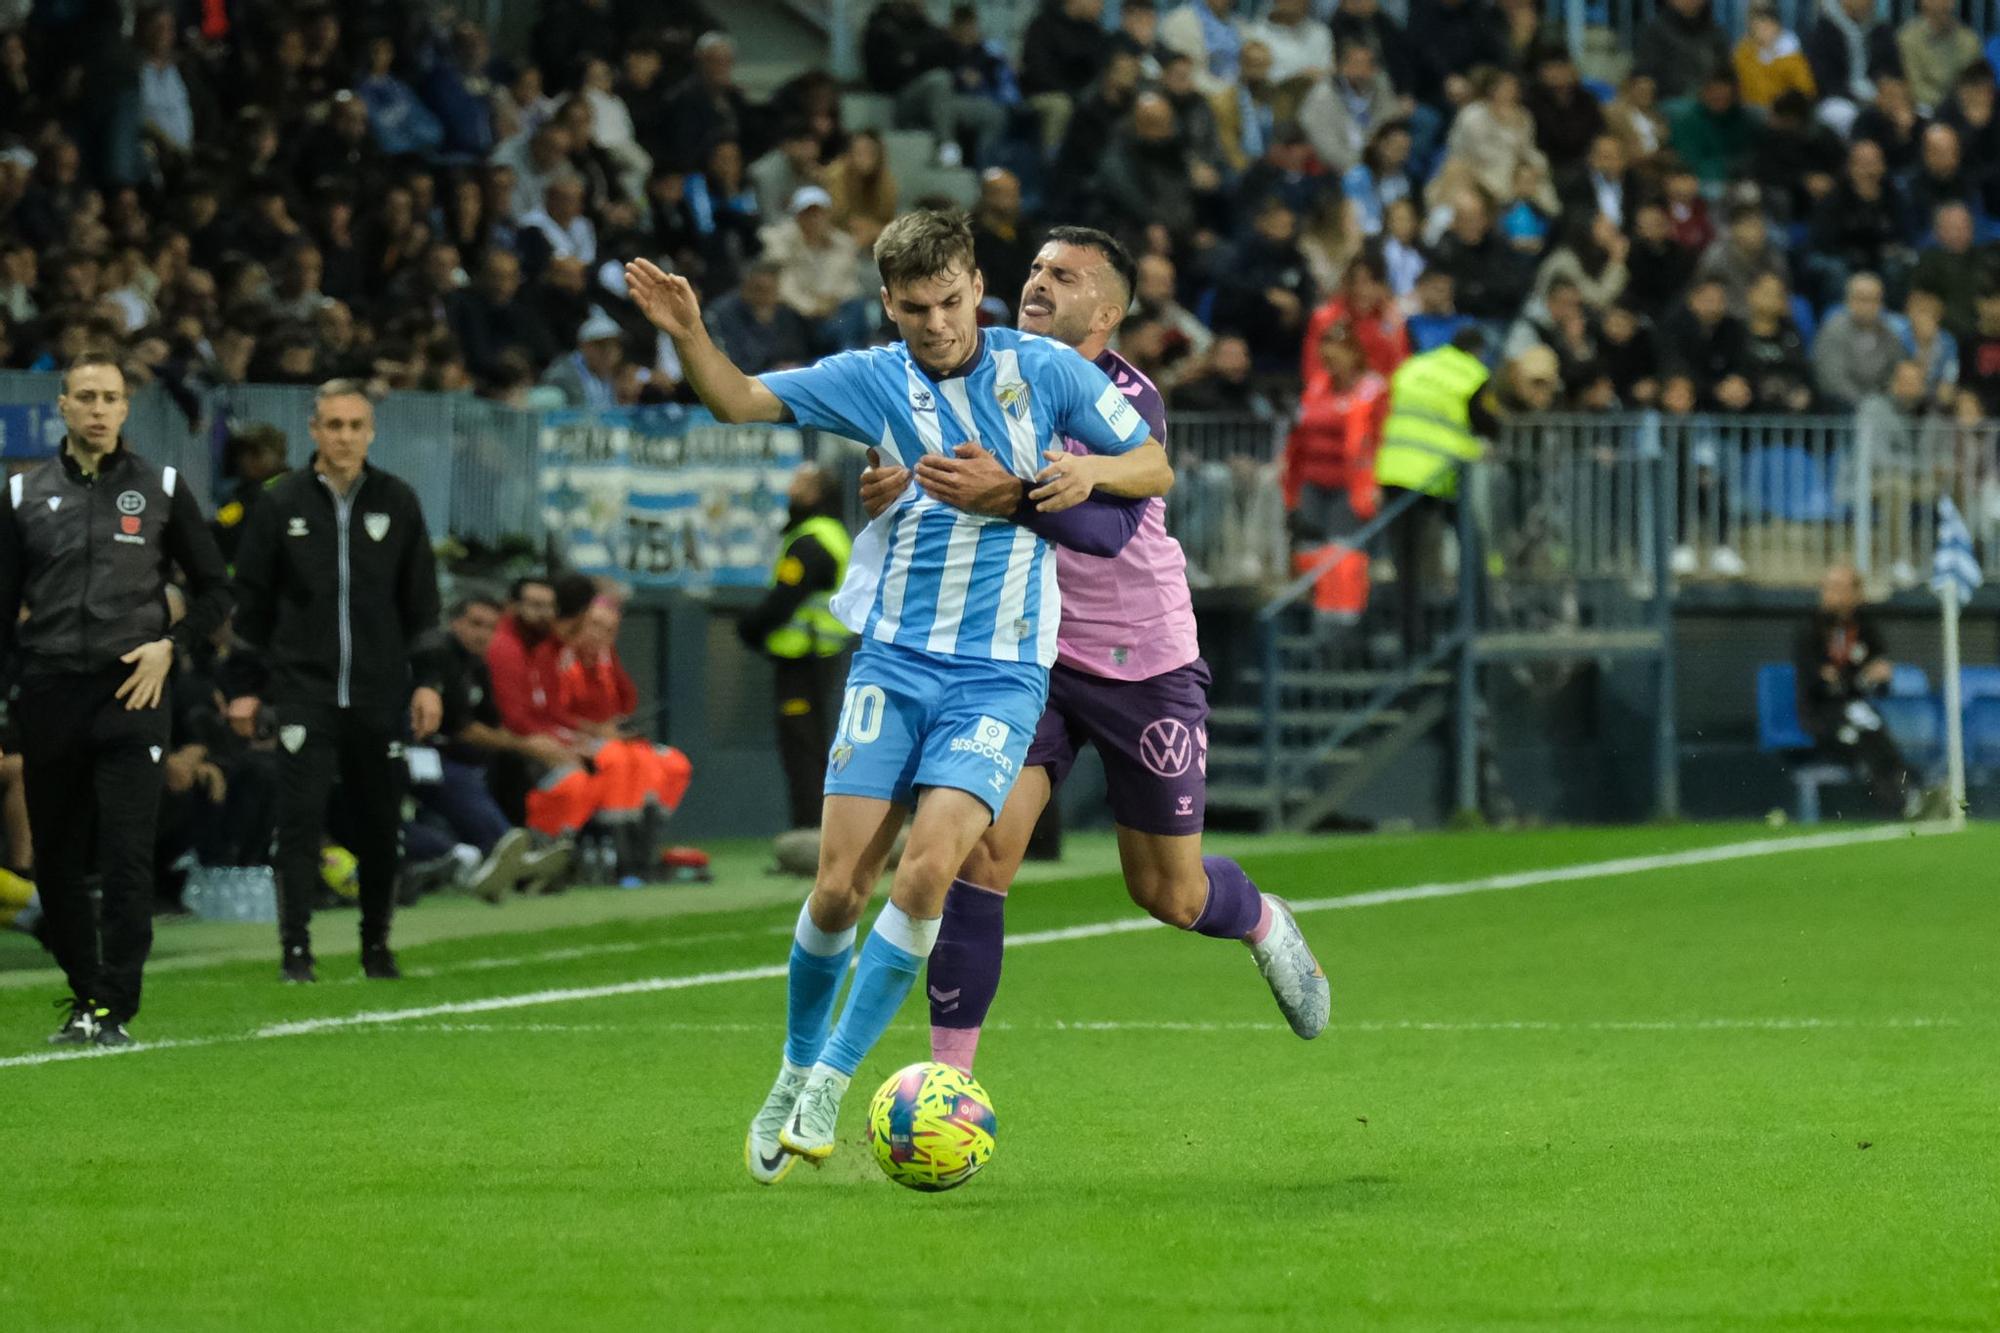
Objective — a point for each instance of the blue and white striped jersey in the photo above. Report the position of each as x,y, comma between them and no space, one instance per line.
925,575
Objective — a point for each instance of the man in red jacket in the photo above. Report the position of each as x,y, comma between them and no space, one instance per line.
523,688
1364,304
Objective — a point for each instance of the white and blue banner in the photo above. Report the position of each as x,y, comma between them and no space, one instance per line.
1954,564
665,496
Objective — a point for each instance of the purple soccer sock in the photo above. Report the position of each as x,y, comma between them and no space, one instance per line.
1235,909
964,971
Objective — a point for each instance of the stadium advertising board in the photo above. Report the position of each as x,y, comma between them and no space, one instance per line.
666,496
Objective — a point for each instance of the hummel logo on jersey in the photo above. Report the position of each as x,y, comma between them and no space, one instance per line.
296,528
921,400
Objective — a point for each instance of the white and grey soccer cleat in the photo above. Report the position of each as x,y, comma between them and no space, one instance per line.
767,1160
1294,975
809,1132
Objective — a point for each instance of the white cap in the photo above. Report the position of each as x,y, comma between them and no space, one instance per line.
809,196
599,325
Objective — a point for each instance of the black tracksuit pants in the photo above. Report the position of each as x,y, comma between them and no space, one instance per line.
805,731
363,748
94,778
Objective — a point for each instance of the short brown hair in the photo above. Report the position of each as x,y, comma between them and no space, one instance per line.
90,359
928,243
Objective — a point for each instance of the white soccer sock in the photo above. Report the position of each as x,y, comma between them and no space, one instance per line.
913,935
820,943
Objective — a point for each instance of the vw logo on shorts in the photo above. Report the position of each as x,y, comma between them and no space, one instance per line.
131,502
1167,746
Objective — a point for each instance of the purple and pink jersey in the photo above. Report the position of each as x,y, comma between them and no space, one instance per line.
1128,616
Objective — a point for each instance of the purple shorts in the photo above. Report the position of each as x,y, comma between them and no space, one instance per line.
1152,735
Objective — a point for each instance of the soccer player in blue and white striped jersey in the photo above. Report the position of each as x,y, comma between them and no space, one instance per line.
957,614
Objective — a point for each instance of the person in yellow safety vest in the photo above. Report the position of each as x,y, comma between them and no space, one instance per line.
795,627
1437,414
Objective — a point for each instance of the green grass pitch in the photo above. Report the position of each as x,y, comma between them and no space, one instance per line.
1750,1093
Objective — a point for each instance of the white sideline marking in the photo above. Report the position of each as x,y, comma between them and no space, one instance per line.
1630,865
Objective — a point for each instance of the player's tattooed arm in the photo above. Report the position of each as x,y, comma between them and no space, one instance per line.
670,303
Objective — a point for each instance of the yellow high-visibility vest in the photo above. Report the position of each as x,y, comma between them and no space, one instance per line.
1429,425
813,628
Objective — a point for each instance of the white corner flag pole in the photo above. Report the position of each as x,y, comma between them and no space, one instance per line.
1954,729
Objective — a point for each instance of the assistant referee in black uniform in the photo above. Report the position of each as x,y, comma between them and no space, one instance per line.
87,541
337,580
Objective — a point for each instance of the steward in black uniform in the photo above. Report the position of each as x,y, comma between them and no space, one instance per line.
337,581
86,543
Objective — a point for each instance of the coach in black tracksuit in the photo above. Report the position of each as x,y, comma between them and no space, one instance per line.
337,580
87,540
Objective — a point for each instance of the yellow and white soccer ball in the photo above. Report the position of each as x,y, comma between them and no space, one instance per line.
932,1127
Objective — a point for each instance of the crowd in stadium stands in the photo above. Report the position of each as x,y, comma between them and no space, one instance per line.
282,192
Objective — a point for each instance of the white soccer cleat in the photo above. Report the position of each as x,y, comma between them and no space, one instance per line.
1295,978
809,1131
767,1160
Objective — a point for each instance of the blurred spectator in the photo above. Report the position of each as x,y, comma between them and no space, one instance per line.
1436,320
612,128
1932,348
1229,387
1185,341
707,108
1246,111
1459,36
642,88
863,187
1856,350
755,328
1681,49
1329,462
1567,118
1796,160
1145,177
1602,183
1941,178
1627,354
1489,277
1330,238
1285,172
1703,360
1208,32
1741,255
1687,211
400,121
1494,136
1301,48
588,377
911,59
1561,322
1194,115
1002,240
1770,60
1979,354
453,83
535,158
1362,23
1383,175
298,298
1970,112
1364,306
174,101
559,229
725,214
818,269
1952,268
1404,259
1062,53
1635,117
979,65
1891,122
1714,134
1591,254
1263,289
790,166
1100,116
1340,114
1780,372
1848,48
1936,48
490,318
1859,226
1139,35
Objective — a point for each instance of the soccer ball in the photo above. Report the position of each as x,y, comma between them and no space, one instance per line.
340,871
932,1127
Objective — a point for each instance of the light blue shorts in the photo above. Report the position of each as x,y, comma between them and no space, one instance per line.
912,719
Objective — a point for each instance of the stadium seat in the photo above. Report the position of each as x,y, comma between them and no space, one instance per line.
1977,682
1917,725
1982,735
867,111
1910,681
1779,731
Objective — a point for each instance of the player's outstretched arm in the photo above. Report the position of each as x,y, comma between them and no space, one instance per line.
670,303
1069,479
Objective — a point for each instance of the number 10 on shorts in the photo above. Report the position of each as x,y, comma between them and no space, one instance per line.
861,714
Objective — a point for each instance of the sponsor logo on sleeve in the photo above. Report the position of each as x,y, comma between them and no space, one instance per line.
1117,411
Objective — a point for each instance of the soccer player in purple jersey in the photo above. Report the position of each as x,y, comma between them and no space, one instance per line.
1128,678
